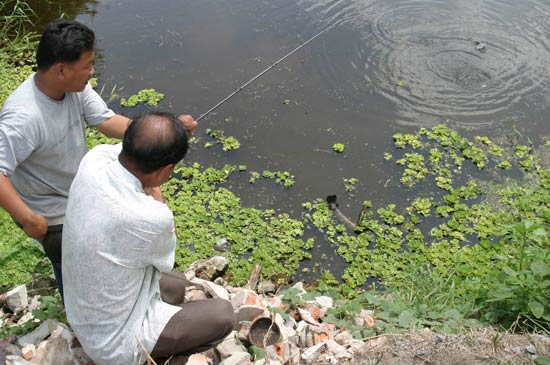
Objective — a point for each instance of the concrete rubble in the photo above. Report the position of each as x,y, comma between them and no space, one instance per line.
301,336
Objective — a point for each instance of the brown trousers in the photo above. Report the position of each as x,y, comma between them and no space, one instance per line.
198,326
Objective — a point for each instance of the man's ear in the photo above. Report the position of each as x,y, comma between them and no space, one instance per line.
59,70
166,171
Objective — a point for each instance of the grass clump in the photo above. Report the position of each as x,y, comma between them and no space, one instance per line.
21,258
16,45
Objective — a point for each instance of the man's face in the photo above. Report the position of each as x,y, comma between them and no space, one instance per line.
78,74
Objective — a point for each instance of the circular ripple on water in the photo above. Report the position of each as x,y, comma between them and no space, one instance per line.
473,61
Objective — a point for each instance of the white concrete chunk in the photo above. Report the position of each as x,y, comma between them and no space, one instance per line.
229,346
310,354
40,333
337,350
306,316
16,360
17,299
343,338
238,358
248,313
216,291
324,301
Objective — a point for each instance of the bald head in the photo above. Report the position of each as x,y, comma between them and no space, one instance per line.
154,141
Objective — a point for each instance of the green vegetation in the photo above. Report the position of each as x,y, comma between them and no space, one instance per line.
470,247
338,147
17,46
149,96
485,252
350,184
206,212
283,178
228,143
21,258
389,315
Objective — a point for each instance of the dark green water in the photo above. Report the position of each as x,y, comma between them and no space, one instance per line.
480,66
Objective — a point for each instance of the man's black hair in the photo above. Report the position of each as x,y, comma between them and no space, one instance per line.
154,141
63,41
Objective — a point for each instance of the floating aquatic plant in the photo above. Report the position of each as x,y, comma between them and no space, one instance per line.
338,147
228,143
149,96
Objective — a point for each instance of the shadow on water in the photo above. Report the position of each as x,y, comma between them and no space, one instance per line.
385,66
47,11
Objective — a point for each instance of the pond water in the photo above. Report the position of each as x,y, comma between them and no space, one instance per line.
384,66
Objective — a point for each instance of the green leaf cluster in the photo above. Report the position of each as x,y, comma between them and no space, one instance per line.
521,289
350,184
228,143
149,96
284,178
338,147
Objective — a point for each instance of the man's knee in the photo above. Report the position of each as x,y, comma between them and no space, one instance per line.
172,287
225,316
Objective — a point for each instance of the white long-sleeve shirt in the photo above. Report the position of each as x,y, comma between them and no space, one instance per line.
116,243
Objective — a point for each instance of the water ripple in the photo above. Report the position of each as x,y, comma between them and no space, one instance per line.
474,61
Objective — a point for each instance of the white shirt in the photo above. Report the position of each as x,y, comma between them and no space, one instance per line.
116,242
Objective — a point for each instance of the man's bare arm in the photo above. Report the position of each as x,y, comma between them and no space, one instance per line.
34,225
115,126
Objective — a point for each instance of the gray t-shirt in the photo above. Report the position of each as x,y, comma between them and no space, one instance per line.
42,142
116,242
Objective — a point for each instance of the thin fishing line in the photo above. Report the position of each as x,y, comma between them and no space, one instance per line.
261,73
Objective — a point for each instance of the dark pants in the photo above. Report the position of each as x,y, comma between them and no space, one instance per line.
52,247
198,326
51,243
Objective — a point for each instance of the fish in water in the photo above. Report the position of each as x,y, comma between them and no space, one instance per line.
480,46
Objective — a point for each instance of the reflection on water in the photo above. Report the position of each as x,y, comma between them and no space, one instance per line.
46,11
473,61
470,62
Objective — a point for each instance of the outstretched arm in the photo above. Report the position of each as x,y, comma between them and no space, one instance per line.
115,126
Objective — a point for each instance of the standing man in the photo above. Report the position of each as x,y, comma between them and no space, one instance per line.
42,134
118,239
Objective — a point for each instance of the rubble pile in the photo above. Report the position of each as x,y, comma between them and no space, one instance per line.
266,332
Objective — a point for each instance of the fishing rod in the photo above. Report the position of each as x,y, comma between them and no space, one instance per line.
260,74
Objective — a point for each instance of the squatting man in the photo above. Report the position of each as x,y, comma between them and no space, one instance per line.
118,249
